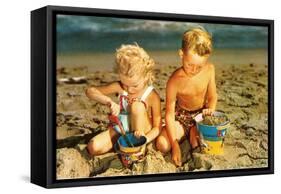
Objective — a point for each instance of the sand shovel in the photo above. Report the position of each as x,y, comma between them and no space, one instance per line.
115,119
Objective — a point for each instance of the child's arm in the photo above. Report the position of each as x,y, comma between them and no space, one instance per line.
211,93
156,118
170,110
99,93
171,93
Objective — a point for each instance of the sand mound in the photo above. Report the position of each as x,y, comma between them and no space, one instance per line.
70,164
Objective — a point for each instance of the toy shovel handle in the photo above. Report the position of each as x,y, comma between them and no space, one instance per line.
115,119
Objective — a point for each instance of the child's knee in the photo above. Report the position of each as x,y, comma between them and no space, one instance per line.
137,107
162,144
93,147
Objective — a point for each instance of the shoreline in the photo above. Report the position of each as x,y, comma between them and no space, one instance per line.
105,61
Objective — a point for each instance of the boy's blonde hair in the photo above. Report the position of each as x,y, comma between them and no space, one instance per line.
198,40
133,60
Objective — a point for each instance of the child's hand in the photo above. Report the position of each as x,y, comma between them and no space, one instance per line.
176,153
208,112
114,108
138,134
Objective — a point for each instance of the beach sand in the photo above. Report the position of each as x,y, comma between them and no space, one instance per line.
241,78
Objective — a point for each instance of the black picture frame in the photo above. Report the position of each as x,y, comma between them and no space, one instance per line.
43,96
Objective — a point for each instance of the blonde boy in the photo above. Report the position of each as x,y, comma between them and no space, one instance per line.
190,89
136,97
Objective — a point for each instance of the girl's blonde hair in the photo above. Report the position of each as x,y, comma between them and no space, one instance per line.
133,60
198,40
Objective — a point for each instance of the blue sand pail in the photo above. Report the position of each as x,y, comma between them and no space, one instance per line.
212,135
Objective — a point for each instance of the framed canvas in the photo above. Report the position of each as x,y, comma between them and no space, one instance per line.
126,96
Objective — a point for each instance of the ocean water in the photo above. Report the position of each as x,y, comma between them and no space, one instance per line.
78,34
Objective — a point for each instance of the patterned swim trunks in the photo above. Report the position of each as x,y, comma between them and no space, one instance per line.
185,117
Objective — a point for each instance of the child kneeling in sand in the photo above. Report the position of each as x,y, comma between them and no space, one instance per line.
190,89
136,97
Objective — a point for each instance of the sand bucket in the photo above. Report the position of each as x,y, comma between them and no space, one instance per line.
130,155
212,136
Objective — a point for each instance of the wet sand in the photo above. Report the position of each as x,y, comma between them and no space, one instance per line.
242,94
